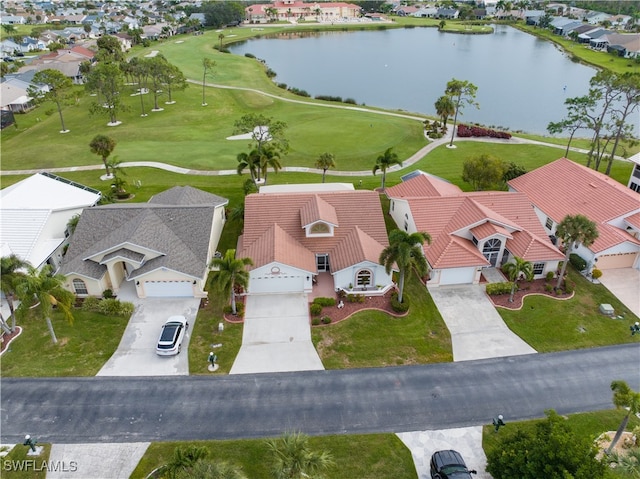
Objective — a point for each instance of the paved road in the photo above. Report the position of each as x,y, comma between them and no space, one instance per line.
76,410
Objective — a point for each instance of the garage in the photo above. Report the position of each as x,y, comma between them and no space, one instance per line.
457,276
277,284
613,261
168,289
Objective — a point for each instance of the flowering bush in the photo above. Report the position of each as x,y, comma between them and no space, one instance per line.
465,131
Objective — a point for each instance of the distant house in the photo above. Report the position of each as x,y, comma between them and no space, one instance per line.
14,95
293,233
12,20
626,45
634,178
67,61
448,13
288,10
613,207
426,12
596,18
34,226
470,231
162,248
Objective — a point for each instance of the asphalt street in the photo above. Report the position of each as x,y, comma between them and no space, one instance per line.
439,396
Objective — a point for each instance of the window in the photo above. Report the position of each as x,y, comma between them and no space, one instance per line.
363,278
393,206
319,228
406,226
492,246
80,287
549,223
538,268
475,240
635,187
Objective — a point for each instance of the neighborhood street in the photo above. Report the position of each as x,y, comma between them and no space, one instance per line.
106,409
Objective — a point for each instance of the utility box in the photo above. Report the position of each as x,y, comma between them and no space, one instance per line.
607,309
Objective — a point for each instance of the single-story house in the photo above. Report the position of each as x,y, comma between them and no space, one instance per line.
564,187
293,233
162,247
470,231
34,226
14,95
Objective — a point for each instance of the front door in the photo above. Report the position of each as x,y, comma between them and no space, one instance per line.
322,262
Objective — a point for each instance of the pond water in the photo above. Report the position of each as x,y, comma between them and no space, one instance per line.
522,81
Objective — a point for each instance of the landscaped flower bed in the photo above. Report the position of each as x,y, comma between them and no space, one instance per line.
465,131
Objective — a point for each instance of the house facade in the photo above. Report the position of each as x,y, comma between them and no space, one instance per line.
634,178
162,247
287,10
564,188
34,226
293,233
470,231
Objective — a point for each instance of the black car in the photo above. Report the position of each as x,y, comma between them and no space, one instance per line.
449,465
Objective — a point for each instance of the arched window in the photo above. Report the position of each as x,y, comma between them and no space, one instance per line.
320,228
491,250
80,287
363,278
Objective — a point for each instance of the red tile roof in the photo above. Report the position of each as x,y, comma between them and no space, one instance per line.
566,188
421,186
274,228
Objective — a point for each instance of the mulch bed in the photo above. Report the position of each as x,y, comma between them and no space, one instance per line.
536,286
6,338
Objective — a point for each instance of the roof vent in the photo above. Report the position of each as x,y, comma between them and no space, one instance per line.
593,185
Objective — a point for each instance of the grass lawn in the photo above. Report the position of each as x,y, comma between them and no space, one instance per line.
370,456
18,458
589,425
375,339
82,348
552,325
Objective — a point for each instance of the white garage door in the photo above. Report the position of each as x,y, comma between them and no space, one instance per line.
457,276
276,284
610,261
168,289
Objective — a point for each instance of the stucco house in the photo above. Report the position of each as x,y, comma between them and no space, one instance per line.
634,178
293,233
34,226
162,248
470,231
289,10
564,187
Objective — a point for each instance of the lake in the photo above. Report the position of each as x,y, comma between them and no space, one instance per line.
522,81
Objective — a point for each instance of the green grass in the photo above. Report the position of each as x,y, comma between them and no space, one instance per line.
589,425
376,339
82,348
553,325
18,458
370,456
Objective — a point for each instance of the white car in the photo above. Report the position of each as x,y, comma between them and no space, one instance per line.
171,336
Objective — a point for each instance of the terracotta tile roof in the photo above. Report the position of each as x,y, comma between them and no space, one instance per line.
422,185
317,209
633,220
360,233
566,188
488,229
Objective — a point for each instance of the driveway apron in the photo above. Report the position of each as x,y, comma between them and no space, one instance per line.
477,330
276,335
624,283
136,353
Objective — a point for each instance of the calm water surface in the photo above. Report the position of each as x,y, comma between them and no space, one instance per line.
522,81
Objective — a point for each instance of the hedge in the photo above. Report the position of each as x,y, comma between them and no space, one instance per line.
465,131
325,301
577,261
499,288
397,306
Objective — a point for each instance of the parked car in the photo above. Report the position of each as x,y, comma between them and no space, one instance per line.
171,336
449,465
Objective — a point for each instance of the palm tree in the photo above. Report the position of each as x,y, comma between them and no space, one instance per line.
405,251
574,231
250,161
72,224
294,459
40,291
10,276
384,161
324,162
629,462
221,37
207,469
445,108
519,267
184,458
231,272
623,397
269,158
103,146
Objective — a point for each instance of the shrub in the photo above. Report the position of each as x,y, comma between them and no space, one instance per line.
499,288
355,298
596,273
351,101
271,73
548,288
282,85
227,309
569,286
577,261
465,131
113,307
326,320
315,309
549,276
298,91
239,308
325,301
315,322
107,294
249,55
91,304
397,306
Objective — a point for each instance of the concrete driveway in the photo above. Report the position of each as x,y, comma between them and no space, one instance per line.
624,283
276,336
136,353
477,330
